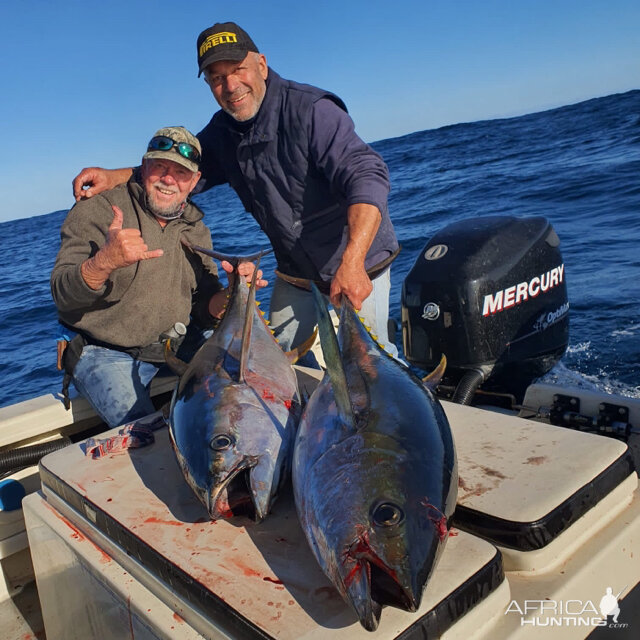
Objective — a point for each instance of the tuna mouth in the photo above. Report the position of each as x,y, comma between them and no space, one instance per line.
386,590
234,496
371,584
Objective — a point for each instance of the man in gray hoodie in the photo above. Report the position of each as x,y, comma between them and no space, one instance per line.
124,282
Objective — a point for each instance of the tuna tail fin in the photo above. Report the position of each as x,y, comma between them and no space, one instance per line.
432,380
248,321
332,357
234,260
295,354
174,363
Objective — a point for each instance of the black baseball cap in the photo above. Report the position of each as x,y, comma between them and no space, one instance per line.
223,41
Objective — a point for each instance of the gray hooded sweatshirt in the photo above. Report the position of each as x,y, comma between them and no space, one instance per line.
139,302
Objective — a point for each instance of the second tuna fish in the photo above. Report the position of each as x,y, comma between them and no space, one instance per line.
374,472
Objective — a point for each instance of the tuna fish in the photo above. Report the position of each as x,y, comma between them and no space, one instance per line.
374,471
234,412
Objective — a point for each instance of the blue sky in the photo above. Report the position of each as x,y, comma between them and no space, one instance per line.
87,83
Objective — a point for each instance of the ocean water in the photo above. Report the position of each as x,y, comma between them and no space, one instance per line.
578,165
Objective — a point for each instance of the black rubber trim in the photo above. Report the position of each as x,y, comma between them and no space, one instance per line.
236,625
529,536
431,625
459,602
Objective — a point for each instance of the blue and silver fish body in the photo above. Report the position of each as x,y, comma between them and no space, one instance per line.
374,472
234,413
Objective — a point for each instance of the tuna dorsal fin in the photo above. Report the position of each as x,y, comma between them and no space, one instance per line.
332,357
295,354
432,380
248,320
173,362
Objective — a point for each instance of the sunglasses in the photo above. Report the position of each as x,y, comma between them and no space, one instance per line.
164,143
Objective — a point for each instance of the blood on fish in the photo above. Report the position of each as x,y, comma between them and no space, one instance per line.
439,519
347,557
349,578
224,508
362,547
274,580
288,403
362,543
267,395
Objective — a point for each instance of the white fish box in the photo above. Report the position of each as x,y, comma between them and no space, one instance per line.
121,546
536,491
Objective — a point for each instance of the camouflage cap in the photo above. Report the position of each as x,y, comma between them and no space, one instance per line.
160,147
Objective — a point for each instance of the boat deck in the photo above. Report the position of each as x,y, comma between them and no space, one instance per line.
597,545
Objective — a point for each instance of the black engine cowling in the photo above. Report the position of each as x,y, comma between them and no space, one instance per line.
490,294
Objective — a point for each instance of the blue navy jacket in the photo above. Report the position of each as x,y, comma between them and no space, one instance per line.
296,168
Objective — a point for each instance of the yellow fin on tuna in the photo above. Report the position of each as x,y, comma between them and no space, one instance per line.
432,380
295,354
174,363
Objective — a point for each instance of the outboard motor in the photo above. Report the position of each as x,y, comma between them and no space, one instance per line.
490,294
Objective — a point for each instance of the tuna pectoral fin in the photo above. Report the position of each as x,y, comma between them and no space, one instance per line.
432,380
332,357
174,363
295,354
262,478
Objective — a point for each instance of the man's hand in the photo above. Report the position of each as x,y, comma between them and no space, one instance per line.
351,279
122,248
218,300
245,269
94,180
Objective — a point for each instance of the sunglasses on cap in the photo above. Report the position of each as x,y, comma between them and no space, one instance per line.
164,143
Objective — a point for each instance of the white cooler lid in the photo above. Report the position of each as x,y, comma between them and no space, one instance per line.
522,483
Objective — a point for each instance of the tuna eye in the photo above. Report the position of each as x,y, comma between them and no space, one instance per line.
221,442
387,515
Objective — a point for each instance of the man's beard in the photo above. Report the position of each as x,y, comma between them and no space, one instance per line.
257,98
252,114
167,212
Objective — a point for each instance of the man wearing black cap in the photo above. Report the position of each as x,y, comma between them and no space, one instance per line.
124,282
291,153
